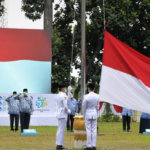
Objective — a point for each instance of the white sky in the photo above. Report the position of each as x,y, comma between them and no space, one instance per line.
16,19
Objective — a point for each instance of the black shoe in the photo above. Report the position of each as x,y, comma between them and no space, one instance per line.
93,148
11,130
67,130
88,148
129,130
60,147
72,131
124,130
16,130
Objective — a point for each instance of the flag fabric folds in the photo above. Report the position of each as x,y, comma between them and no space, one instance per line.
125,78
116,110
101,109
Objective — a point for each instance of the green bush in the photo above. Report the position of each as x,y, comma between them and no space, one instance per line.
109,118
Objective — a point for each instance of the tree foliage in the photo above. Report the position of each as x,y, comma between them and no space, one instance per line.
128,20
33,8
2,8
62,57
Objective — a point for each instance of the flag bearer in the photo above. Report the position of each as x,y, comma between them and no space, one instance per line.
26,109
13,110
90,109
62,116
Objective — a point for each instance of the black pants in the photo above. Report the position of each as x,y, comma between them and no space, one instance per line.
24,120
144,124
70,118
126,120
12,118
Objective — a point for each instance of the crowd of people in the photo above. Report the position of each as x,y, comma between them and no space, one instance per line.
126,118
22,105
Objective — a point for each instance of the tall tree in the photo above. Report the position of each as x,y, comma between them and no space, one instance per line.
3,14
2,8
61,69
34,9
127,20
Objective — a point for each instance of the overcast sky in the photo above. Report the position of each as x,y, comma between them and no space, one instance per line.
16,18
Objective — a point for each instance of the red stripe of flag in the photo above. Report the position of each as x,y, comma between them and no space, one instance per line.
121,57
24,44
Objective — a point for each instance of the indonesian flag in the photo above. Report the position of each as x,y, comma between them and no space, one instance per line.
25,61
116,110
125,79
101,109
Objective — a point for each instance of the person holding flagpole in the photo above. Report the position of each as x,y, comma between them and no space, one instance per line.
90,109
62,116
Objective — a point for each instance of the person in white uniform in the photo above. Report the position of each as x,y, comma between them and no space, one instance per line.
62,116
90,108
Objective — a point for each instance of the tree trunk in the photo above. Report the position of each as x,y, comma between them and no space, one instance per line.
76,94
48,21
77,90
48,15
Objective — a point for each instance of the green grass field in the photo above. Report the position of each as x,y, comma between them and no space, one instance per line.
111,137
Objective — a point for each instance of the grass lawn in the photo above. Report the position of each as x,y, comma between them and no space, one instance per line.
111,137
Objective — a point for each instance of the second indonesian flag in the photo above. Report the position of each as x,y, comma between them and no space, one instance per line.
125,79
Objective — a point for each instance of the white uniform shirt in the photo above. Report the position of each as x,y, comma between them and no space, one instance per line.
62,105
90,106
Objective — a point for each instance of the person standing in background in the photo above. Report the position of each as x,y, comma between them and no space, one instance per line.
72,105
26,109
144,122
13,110
126,116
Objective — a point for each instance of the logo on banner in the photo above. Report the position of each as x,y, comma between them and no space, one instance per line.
3,109
2,97
3,104
41,102
31,97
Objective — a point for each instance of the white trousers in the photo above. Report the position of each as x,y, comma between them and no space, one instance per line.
91,131
61,131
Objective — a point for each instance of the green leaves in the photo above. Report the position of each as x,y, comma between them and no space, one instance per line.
2,8
33,8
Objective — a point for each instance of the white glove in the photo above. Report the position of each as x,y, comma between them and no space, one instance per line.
31,113
76,114
69,111
69,88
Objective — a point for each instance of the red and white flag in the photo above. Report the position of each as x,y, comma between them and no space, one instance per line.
125,79
25,61
101,108
116,110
